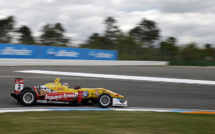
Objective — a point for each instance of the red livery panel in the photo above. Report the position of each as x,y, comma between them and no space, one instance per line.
60,96
80,95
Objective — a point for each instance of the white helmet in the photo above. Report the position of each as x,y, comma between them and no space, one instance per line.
65,84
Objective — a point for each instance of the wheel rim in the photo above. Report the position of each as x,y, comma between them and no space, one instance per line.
105,100
28,97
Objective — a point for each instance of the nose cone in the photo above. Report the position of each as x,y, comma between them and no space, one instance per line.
119,96
114,95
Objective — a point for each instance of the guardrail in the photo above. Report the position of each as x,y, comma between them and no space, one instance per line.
46,52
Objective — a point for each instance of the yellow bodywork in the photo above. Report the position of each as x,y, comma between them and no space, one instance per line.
92,92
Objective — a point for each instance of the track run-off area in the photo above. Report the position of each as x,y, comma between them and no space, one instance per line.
147,88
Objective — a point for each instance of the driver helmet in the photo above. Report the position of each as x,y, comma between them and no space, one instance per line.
57,81
65,84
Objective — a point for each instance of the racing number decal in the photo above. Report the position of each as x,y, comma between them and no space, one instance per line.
19,83
19,87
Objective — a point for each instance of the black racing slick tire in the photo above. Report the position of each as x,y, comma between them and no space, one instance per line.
104,100
28,97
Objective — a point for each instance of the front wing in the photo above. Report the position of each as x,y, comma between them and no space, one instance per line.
116,102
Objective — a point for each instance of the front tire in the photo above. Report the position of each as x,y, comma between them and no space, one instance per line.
28,97
104,100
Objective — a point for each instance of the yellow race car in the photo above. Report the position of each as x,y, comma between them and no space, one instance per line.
57,92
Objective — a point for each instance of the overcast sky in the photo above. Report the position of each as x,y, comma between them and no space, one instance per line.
187,20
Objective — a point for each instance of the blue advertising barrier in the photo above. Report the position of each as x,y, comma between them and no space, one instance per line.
61,53
95,54
45,52
17,51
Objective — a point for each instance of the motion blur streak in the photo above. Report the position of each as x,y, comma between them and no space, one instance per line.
122,77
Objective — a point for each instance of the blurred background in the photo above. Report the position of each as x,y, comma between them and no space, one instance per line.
138,30
124,38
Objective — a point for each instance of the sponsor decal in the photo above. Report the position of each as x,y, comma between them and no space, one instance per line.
100,54
14,51
60,89
63,53
80,95
53,97
121,105
67,54
19,82
60,96
51,52
54,102
96,93
85,94
58,102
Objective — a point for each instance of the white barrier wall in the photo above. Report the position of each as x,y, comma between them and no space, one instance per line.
51,62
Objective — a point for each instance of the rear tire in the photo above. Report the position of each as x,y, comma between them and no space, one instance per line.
104,100
28,97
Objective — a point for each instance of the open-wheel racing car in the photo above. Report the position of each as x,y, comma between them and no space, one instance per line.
61,93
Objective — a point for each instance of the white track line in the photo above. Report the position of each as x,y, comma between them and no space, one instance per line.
122,77
9,110
22,110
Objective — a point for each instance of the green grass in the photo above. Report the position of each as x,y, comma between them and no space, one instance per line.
106,122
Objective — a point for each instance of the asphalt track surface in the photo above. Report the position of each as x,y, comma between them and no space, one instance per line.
138,93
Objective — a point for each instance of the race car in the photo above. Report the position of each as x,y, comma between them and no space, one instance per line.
57,92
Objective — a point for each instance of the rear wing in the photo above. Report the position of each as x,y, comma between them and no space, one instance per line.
19,84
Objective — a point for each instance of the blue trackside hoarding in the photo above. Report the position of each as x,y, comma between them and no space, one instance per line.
18,51
45,52
95,54
62,53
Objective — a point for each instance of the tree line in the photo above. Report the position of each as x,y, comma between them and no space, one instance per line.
52,34
140,43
